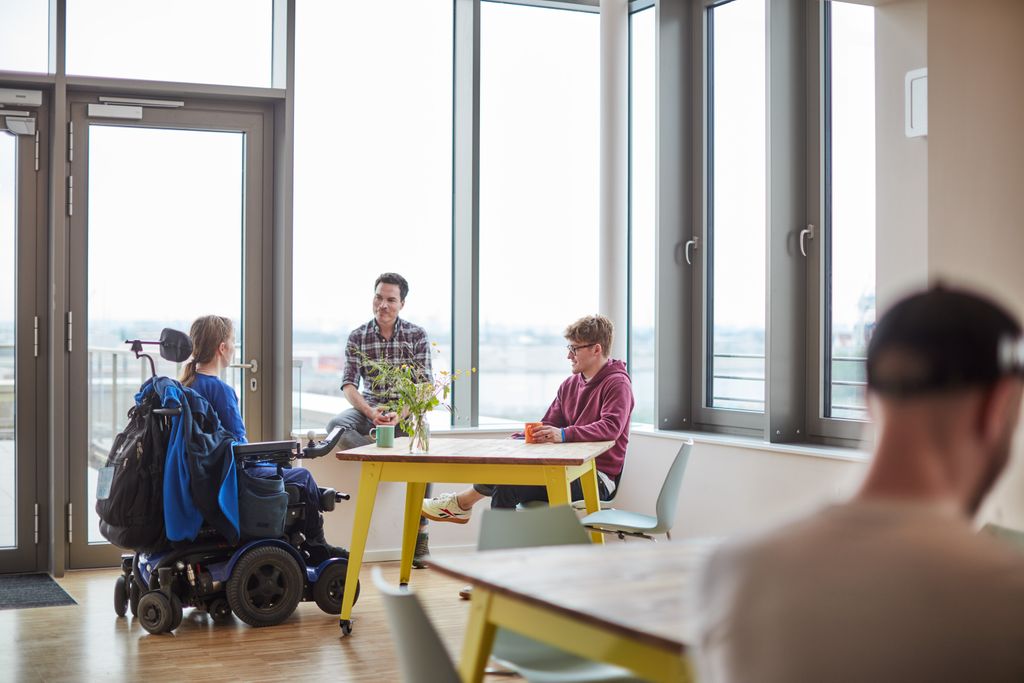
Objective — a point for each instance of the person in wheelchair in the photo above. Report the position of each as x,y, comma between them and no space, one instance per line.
213,346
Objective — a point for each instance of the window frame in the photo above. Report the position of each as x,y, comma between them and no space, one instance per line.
636,7
706,417
822,429
796,290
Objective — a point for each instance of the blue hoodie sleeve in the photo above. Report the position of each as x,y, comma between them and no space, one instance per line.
229,413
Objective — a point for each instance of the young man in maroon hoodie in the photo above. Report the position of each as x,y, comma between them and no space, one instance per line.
593,404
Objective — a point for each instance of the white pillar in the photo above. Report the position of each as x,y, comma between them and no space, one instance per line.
614,172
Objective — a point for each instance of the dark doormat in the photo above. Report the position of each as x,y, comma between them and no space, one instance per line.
31,590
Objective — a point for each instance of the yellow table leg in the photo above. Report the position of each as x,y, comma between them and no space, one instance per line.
476,649
590,494
558,486
414,492
365,498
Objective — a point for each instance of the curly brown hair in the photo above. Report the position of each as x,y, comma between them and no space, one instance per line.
592,329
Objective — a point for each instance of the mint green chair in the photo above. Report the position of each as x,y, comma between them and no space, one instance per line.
533,660
624,523
422,657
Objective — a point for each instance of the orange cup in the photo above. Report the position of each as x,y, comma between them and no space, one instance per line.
528,431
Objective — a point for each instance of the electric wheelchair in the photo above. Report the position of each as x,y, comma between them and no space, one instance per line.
258,580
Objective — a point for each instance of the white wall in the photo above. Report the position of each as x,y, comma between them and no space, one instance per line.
729,488
976,168
901,179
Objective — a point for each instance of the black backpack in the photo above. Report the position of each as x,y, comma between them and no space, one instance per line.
129,499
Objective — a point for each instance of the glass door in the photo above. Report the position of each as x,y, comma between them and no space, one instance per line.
20,351
167,225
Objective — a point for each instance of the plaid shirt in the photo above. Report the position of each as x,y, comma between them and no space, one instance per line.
408,344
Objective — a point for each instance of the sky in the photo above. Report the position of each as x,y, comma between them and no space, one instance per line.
372,159
24,33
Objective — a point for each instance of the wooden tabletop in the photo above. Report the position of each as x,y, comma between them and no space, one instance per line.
483,451
638,588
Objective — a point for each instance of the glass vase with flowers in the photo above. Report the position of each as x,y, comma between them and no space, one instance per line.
412,394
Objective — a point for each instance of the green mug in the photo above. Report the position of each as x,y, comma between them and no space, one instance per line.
385,436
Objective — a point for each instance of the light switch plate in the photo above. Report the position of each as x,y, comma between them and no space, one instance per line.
916,99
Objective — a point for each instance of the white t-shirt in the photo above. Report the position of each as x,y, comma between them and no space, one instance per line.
865,591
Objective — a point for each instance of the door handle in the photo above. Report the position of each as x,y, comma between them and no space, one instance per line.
695,243
807,232
252,366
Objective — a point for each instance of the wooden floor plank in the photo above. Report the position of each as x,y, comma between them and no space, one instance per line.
88,642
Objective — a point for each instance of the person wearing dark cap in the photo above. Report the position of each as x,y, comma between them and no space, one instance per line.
893,585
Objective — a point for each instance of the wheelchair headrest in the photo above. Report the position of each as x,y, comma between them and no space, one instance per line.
175,346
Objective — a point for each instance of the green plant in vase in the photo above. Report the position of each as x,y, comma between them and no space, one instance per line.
412,394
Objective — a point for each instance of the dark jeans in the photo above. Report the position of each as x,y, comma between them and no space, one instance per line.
309,494
357,429
511,495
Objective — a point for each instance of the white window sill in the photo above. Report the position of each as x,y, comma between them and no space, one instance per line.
752,443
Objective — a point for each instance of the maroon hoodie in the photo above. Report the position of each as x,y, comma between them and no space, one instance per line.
597,409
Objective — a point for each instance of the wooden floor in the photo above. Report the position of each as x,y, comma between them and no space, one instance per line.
88,642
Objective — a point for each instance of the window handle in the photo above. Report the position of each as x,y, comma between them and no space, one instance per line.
695,243
807,232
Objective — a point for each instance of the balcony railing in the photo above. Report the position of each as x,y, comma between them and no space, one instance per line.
747,396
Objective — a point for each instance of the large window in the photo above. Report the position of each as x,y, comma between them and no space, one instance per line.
736,206
642,149
227,42
132,170
373,149
850,205
8,357
24,32
538,200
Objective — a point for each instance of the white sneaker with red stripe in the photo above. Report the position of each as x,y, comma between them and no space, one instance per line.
445,508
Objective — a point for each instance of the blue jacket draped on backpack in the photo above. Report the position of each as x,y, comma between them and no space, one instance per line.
200,481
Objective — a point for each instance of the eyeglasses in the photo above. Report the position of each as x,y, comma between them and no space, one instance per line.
574,349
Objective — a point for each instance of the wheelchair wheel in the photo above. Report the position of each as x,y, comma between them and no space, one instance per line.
265,586
220,611
330,587
120,596
155,612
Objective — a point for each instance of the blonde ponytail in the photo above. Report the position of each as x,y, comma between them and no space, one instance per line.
207,334
188,375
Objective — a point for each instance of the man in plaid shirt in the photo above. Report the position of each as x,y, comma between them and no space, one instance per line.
385,338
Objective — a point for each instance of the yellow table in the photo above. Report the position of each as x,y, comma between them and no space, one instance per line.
623,604
482,461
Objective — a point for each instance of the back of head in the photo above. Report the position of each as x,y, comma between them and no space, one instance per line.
207,334
941,340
